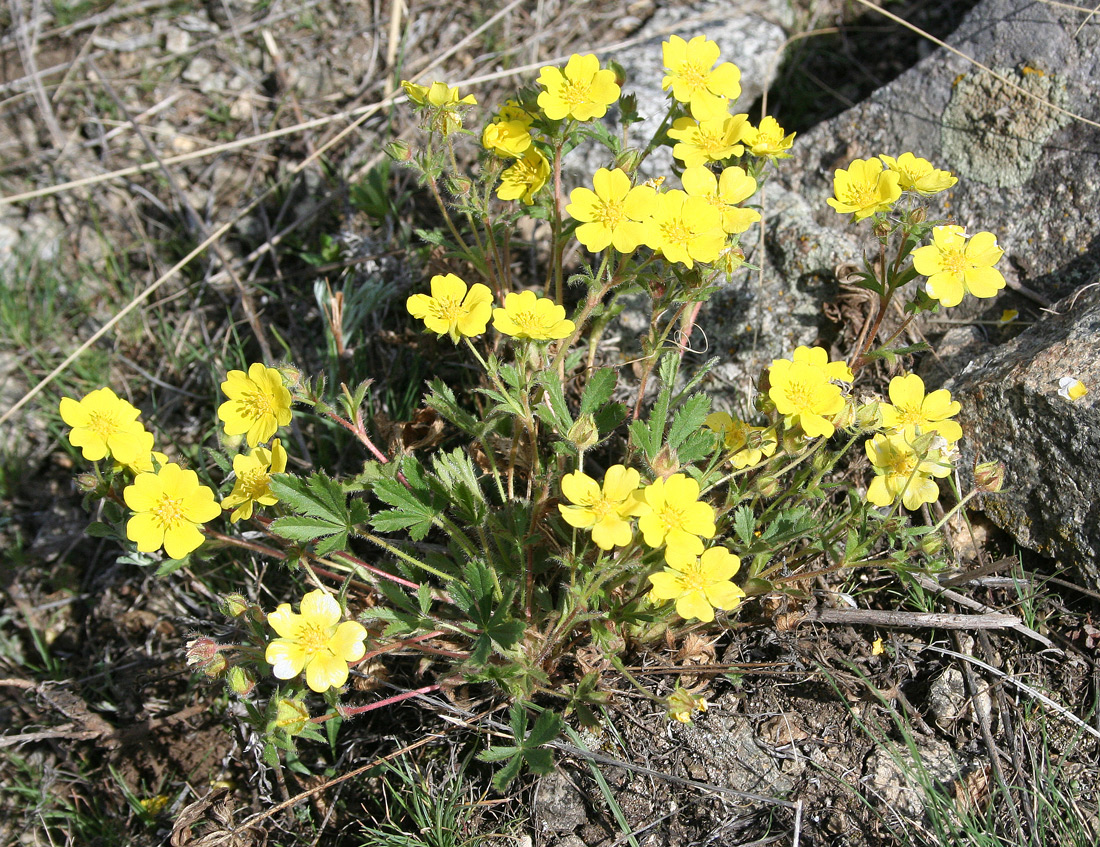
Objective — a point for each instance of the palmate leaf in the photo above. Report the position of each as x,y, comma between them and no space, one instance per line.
476,596
527,750
323,513
415,505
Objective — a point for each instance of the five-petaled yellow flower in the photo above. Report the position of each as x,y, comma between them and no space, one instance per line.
768,139
699,584
956,266
442,101
900,471
673,516
507,139
864,188
916,174
685,229
525,177
614,214
258,404
911,412
709,140
103,424
694,80
724,193
253,483
143,460
452,309
583,91
747,444
527,316
803,392
605,510
315,641
169,506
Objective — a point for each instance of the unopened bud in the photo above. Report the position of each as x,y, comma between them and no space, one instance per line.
398,151
204,655
792,441
240,680
730,260
86,482
234,605
584,433
846,417
882,229
869,416
767,486
459,186
931,544
918,215
989,476
628,160
666,463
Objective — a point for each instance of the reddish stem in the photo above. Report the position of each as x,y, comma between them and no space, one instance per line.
346,712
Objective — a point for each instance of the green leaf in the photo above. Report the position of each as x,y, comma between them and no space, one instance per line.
598,390
555,411
415,508
744,524
688,420
317,496
459,479
441,398
304,529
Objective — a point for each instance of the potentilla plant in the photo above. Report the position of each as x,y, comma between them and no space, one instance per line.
579,506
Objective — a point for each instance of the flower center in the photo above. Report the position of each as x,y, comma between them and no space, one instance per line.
103,425
255,405
313,638
574,93
611,214
527,321
800,396
672,517
693,578
694,76
711,143
861,194
255,483
446,308
169,512
602,508
903,464
674,231
953,262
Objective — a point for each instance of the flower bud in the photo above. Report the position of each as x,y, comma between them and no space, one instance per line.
240,680
869,416
86,482
398,151
730,260
931,544
767,486
627,160
918,215
846,417
234,605
882,229
291,716
459,186
989,476
583,434
204,654
665,463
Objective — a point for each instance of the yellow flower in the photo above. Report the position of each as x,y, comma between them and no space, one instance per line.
699,584
451,309
956,266
258,403
508,139
747,444
672,515
911,413
819,357
685,229
1008,316
681,703
1071,388
724,193
865,188
583,91
103,424
442,101
613,214
253,483
527,316
804,394
901,472
694,80
316,641
916,174
768,139
169,506
603,509
524,178
710,140
143,460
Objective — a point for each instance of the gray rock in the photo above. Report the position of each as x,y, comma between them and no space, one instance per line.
558,805
1027,171
1011,410
898,780
199,69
